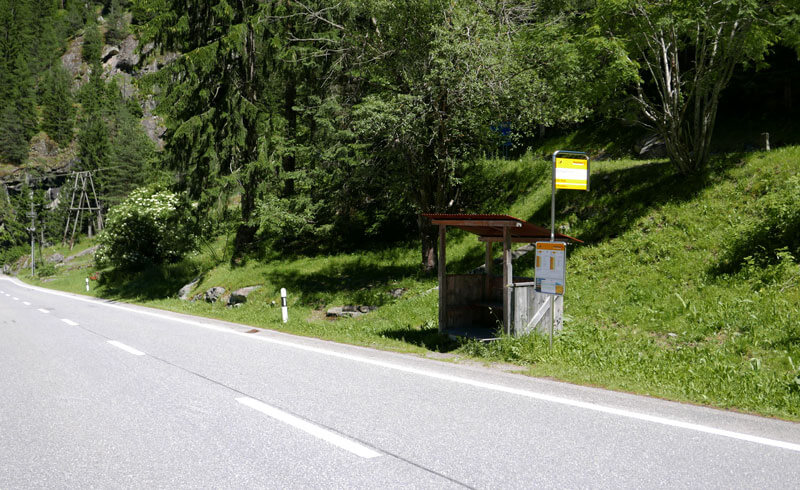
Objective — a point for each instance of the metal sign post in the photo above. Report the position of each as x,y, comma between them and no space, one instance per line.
551,273
570,171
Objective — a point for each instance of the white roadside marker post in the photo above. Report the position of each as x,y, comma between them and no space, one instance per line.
284,308
87,284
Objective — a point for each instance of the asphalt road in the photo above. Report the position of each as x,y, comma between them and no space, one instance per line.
106,395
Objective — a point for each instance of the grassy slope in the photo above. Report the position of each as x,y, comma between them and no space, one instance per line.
657,301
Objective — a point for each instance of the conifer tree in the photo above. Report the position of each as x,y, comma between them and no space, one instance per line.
13,140
57,106
117,27
92,42
214,98
240,103
131,150
94,146
76,16
48,31
18,118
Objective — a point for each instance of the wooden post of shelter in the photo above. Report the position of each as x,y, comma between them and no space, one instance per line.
489,262
508,280
442,277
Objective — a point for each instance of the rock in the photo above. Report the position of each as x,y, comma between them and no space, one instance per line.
651,146
214,294
128,58
397,292
109,52
152,124
55,258
43,146
72,62
240,295
88,251
348,311
185,290
336,311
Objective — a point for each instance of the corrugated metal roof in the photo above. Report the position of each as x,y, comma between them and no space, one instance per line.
491,226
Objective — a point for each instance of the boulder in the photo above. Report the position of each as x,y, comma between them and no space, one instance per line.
348,311
71,61
397,292
108,53
334,312
651,146
214,294
43,146
55,258
185,290
128,58
88,251
240,295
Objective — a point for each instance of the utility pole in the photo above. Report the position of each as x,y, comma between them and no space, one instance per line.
33,236
32,229
81,186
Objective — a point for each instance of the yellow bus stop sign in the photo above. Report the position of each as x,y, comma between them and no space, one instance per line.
572,172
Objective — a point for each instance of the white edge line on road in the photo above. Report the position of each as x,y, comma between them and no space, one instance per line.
445,377
69,322
126,348
309,428
43,310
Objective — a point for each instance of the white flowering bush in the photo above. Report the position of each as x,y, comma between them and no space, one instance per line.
150,227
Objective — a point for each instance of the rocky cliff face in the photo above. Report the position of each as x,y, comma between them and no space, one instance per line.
123,63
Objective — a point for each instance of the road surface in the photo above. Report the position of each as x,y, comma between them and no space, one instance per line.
107,395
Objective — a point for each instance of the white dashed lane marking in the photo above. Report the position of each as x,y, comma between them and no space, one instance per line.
309,428
126,348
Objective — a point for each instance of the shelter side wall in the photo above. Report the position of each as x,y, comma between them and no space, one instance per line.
467,304
464,292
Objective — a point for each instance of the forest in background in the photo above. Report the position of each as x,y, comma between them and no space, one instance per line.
314,126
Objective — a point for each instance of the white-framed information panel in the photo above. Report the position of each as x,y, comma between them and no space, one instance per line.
551,267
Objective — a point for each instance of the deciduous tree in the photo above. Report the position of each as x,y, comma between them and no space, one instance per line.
687,51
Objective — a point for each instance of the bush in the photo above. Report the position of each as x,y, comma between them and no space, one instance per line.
151,227
45,269
12,253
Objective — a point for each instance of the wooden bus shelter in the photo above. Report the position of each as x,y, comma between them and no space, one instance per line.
473,305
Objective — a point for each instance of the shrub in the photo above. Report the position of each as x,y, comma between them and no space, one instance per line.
150,227
45,269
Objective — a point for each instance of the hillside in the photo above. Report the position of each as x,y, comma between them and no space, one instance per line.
686,288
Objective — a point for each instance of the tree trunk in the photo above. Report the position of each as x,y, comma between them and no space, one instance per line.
430,240
290,98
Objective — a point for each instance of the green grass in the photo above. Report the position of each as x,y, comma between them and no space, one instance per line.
686,288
